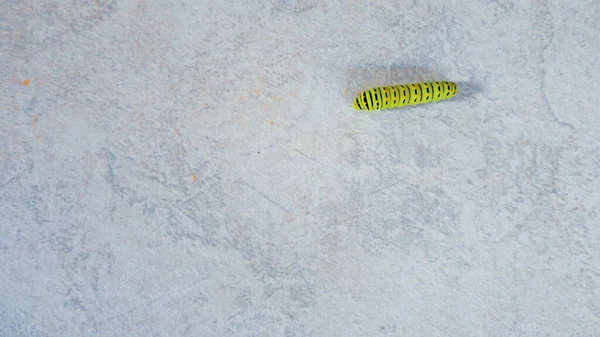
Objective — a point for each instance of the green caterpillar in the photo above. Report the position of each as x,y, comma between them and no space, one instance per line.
397,96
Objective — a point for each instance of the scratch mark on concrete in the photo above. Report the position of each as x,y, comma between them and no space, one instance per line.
14,177
305,155
266,197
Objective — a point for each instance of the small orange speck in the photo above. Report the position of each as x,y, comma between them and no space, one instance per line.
26,82
195,178
38,136
272,122
258,92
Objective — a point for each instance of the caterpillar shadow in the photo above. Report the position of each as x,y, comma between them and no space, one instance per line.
367,76
467,90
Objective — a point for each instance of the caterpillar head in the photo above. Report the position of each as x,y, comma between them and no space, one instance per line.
361,102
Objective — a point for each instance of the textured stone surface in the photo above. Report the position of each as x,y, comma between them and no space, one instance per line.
195,168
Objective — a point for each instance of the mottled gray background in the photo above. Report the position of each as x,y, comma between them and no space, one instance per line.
195,168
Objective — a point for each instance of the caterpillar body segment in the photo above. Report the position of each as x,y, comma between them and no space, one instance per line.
396,96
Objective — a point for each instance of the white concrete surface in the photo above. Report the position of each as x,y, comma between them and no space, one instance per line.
195,168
